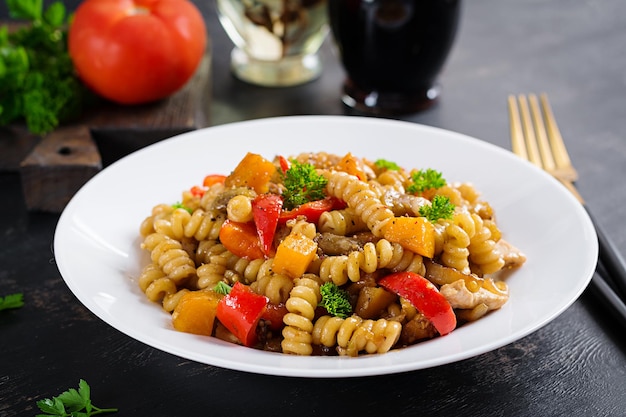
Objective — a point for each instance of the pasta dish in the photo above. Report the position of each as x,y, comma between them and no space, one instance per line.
323,254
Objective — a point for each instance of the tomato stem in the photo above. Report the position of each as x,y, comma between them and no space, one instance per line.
139,10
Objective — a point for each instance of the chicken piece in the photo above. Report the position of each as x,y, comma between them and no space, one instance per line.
403,204
459,296
512,256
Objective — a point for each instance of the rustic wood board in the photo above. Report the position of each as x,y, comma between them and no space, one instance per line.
55,166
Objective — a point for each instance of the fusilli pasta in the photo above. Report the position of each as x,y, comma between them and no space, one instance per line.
320,270
384,254
361,198
301,304
353,334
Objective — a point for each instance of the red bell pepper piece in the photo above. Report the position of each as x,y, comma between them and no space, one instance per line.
213,179
274,314
241,239
240,312
313,210
424,296
208,181
284,164
266,209
197,191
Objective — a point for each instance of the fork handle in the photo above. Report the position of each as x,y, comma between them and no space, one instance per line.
609,298
610,257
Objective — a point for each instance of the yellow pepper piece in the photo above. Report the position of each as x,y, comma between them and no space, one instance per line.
294,255
350,165
195,312
253,171
416,234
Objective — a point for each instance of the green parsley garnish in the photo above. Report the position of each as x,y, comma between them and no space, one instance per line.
182,206
11,301
38,83
302,185
423,180
388,165
335,300
222,288
440,208
72,403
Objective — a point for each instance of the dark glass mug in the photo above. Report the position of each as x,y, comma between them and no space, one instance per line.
393,51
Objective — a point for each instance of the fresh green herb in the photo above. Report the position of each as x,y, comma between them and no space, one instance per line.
38,83
11,301
222,288
335,300
182,206
388,165
423,180
302,184
72,403
440,208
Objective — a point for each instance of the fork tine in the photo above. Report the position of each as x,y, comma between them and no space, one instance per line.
517,135
540,143
561,157
529,132
540,130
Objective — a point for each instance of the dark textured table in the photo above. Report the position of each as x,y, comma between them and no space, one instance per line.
575,366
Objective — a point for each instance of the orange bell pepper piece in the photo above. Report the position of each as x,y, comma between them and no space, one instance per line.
413,233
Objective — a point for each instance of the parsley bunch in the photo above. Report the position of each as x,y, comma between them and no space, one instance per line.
38,83
72,403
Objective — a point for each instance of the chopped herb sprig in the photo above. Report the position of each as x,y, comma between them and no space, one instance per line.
302,185
222,288
425,179
387,165
11,301
178,204
440,208
72,403
335,300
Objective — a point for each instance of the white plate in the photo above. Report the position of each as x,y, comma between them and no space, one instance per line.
97,245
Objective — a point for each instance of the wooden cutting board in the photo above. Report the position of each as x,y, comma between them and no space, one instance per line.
54,167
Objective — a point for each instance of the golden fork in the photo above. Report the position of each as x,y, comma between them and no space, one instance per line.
536,137
541,142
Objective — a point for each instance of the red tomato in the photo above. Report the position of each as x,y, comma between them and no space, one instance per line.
136,51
